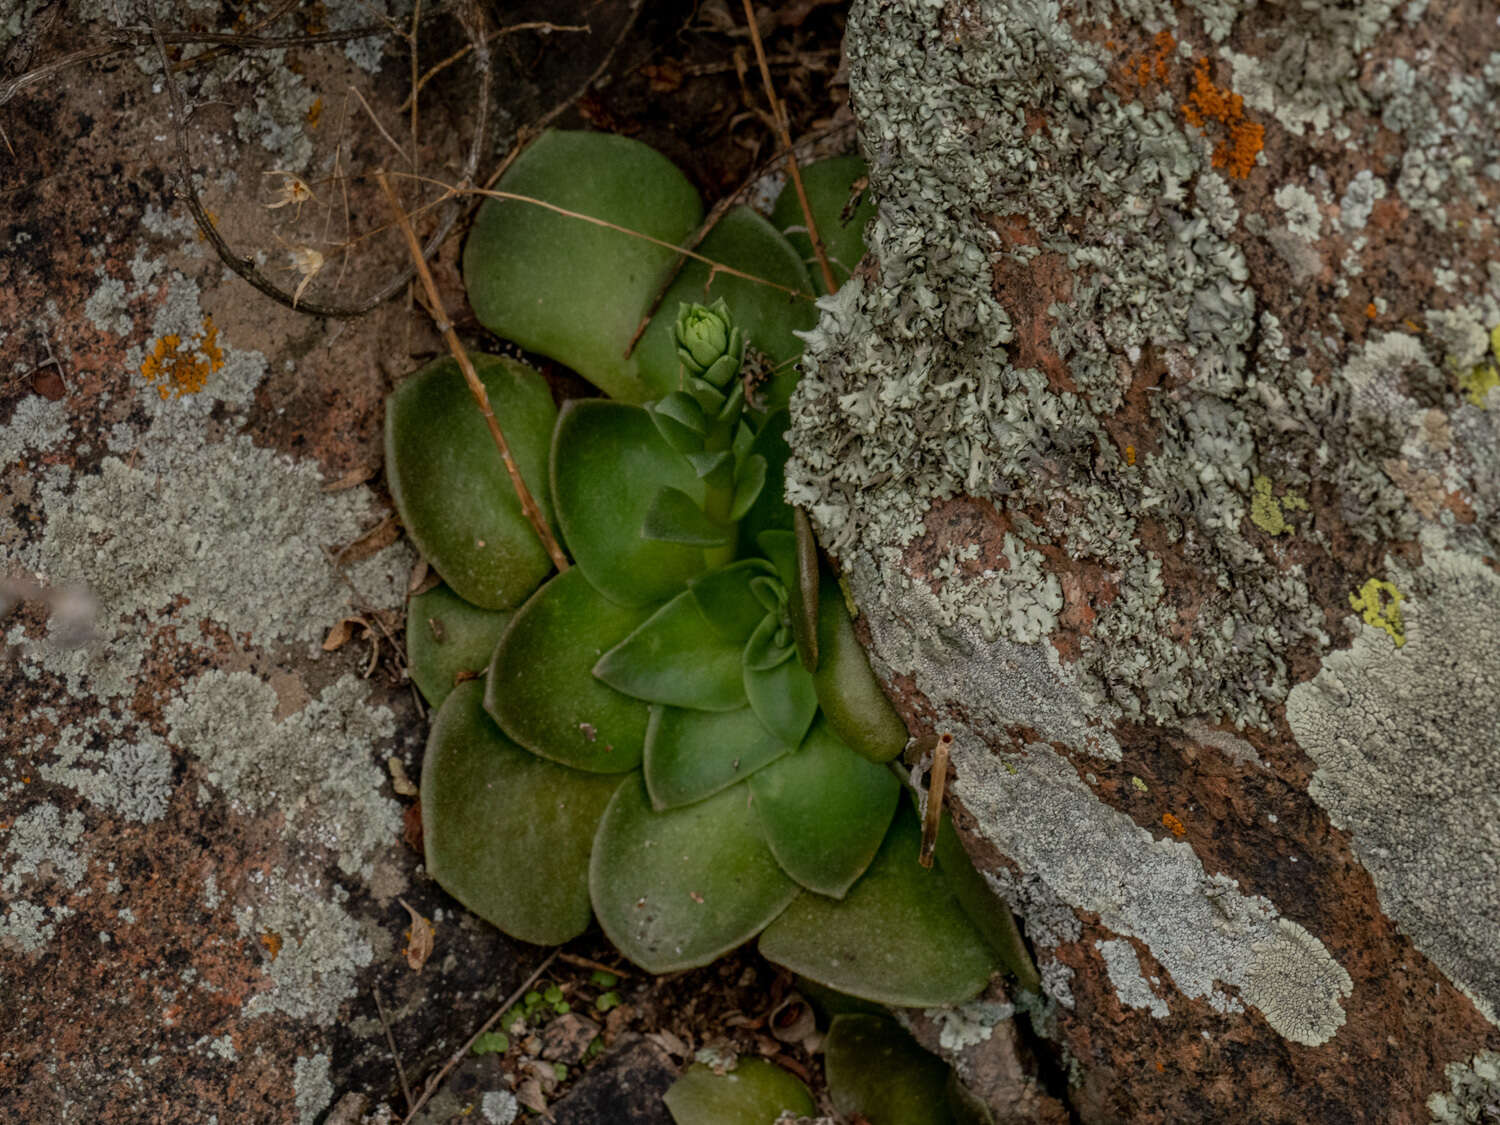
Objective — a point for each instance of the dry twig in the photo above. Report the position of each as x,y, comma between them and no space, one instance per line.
783,130
437,1079
476,388
717,267
937,782
717,212
472,21
390,1038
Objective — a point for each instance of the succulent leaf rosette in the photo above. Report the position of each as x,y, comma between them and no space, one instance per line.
678,735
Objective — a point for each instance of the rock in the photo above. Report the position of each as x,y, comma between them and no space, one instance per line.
623,1088
1156,443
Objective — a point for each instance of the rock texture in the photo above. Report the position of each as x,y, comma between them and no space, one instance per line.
204,849
1156,443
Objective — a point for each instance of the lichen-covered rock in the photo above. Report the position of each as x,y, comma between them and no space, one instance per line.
1157,444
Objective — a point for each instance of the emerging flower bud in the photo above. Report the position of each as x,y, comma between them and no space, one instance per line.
708,343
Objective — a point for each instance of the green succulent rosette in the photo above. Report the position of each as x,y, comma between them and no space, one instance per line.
678,735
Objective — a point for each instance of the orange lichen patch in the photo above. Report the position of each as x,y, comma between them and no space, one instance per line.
1152,64
272,942
176,370
1371,311
1207,102
1130,455
1175,826
315,113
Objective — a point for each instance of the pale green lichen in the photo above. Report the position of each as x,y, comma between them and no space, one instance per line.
967,1025
910,395
318,947
318,767
42,849
1473,1096
1303,216
311,1087
1407,751
127,773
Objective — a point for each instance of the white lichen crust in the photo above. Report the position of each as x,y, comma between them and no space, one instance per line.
1407,744
1124,969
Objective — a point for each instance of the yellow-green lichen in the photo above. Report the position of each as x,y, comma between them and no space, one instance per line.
1265,509
1379,603
1478,381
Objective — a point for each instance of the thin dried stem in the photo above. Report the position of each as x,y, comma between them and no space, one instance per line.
390,1039
937,782
718,211
533,25
127,41
472,22
779,119
528,134
458,1056
719,267
476,388
390,140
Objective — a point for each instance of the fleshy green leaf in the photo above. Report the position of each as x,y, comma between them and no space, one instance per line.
608,463
767,316
749,479
447,639
768,648
828,184
682,438
505,832
451,488
570,289
782,698
825,810
779,548
715,469
723,594
755,1092
769,510
691,755
848,691
541,687
674,518
875,1069
674,890
676,657
683,409
986,910
898,937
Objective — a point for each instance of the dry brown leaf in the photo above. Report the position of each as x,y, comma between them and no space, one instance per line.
411,828
382,535
529,1094
339,635
669,1043
418,577
355,476
400,782
419,938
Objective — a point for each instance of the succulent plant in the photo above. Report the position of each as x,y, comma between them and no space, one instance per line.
678,735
